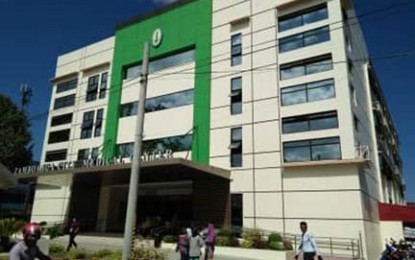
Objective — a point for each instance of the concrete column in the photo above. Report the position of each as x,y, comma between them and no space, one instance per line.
102,217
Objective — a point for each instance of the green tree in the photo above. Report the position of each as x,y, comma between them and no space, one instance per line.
15,137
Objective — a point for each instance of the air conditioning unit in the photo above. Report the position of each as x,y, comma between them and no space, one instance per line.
363,152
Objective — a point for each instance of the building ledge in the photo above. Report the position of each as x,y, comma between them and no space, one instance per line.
343,162
64,77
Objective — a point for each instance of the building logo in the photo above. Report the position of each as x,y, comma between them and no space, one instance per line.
157,38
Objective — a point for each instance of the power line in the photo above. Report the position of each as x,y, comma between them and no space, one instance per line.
263,68
210,60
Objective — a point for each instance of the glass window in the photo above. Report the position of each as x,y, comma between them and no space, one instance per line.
324,121
174,143
312,150
236,50
83,154
294,95
103,85
132,72
129,109
326,149
310,122
177,59
172,61
65,101
92,88
61,120
59,136
56,155
304,39
237,209
310,92
67,85
126,150
95,153
236,96
236,147
98,122
306,67
87,125
319,66
307,16
177,99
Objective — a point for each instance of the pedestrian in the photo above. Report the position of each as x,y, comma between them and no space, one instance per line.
308,245
210,241
196,244
73,232
183,245
27,249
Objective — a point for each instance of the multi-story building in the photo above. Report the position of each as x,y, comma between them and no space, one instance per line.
280,94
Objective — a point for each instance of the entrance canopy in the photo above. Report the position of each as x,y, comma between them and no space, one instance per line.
159,169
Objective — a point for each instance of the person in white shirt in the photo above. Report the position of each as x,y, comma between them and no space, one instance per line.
308,244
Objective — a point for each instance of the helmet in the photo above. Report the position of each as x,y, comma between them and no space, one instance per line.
32,229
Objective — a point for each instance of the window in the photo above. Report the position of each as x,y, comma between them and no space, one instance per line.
237,209
310,122
98,122
312,150
236,50
310,92
95,153
236,147
177,99
174,143
59,136
56,155
87,125
126,150
236,96
83,154
182,58
61,120
306,67
65,101
129,109
103,86
304,39
92,89
67,85
294,20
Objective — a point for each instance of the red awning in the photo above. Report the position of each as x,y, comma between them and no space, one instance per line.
388,212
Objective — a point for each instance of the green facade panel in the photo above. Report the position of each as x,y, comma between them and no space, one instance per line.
188,25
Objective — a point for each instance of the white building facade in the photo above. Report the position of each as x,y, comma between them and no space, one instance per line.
280,93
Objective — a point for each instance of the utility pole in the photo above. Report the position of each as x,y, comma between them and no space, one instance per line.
25,95
135,168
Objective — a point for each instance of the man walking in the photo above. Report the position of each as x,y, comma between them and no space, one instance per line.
308,244
73,232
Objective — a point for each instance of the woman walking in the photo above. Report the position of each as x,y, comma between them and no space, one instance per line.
210,242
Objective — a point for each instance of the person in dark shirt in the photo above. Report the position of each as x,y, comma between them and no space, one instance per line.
73,232
28,249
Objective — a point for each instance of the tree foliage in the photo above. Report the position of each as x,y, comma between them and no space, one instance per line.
15,137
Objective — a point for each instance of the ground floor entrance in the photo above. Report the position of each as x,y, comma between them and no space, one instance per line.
174,195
